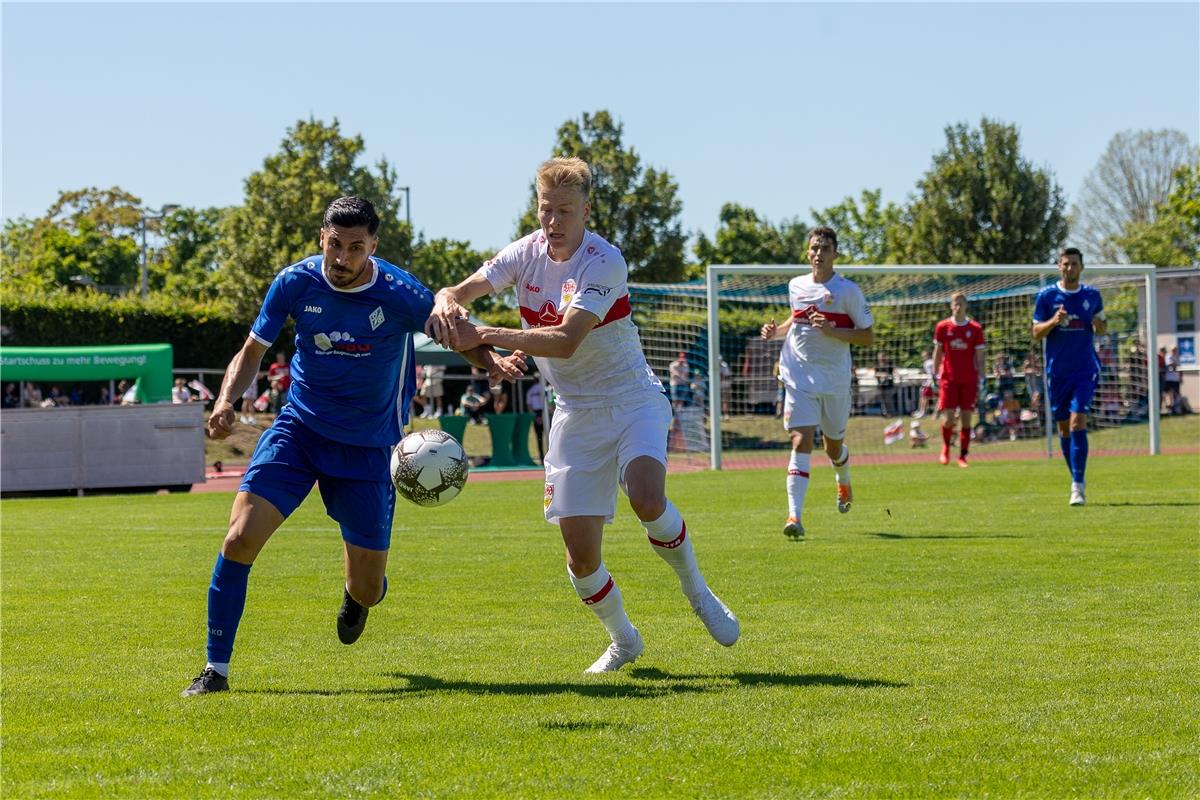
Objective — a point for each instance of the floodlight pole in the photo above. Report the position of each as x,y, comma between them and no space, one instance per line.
149,215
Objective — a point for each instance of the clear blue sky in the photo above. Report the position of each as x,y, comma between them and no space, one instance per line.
778,107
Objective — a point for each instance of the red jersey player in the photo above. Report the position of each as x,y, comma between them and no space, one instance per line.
958,355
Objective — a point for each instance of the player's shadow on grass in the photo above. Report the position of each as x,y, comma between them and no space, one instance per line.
1191,503
766,679
882,535
650,683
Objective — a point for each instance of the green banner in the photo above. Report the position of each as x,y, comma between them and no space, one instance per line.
149,364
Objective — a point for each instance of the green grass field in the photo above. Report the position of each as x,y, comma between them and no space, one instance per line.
960,633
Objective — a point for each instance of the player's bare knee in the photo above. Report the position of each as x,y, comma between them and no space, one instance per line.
581,566
238,546
647,502
366,590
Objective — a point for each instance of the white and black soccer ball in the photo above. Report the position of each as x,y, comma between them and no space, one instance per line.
429,467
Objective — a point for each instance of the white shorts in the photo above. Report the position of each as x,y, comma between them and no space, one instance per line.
829,411
590,449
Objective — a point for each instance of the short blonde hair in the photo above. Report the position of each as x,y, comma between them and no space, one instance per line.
565,172
957,295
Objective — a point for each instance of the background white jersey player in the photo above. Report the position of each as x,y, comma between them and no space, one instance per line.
612,420
829,313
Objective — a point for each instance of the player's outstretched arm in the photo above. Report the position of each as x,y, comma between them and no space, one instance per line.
449,305
938,355
241,370
499,368
859,337
554,341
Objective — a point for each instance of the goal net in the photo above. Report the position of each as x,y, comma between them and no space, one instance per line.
703,340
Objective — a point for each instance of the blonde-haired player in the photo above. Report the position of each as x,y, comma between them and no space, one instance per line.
612,419
829,313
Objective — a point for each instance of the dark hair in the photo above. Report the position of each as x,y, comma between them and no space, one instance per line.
826,232
1070,251
352,212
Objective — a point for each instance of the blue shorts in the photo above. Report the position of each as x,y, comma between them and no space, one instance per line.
1071,395
290,457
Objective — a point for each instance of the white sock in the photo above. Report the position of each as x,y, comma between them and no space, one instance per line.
600,593
668,535
221,668
843,471
797,482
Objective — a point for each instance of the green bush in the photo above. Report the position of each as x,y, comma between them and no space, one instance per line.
203,335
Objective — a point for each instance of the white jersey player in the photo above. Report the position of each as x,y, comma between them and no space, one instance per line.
829,313
612,418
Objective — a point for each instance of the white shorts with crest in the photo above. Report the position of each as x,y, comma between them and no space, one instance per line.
829,411
590,449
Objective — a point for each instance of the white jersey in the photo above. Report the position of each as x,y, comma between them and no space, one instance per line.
811,361
609,365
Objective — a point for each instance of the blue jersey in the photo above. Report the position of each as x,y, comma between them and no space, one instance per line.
1069,348
352,375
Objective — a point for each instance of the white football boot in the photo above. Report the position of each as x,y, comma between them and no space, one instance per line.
618,655
722,625
1077,498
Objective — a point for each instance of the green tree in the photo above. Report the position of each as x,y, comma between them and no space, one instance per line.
186,266
89,235
867,228
982,203
1126,189
743,237
1172,238
636,208
285,201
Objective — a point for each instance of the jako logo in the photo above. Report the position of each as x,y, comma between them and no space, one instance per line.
531,288
312,309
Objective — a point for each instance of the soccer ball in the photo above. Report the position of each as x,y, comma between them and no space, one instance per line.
429,467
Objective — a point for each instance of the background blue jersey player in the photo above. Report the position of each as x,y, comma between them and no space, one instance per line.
1067,315
352,382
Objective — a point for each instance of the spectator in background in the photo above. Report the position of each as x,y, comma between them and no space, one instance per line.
678,379
885,377
1172,380
927,390
471,405
499,398
433,390
1162,374
180,393
726,388
1032,370
1005,379
248,398
33,395
280,371
535,401
12,397
129,395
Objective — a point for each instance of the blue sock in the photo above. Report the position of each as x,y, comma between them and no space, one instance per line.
1065,443
226,601
380,600
1079,453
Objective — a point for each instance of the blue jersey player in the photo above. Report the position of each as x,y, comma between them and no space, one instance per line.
352,382
1067,315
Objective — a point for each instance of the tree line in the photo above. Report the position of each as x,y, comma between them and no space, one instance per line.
980,201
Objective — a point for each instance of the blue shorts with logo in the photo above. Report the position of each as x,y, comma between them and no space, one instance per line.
353,481
1071,394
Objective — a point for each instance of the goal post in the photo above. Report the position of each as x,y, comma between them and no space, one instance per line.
907,301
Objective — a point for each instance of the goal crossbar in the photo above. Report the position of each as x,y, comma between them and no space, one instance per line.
715,271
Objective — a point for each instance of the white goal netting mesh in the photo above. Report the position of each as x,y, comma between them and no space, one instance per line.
891,387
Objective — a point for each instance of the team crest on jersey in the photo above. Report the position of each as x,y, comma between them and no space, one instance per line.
376,317
548,497
1086,305
568,292
827,298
